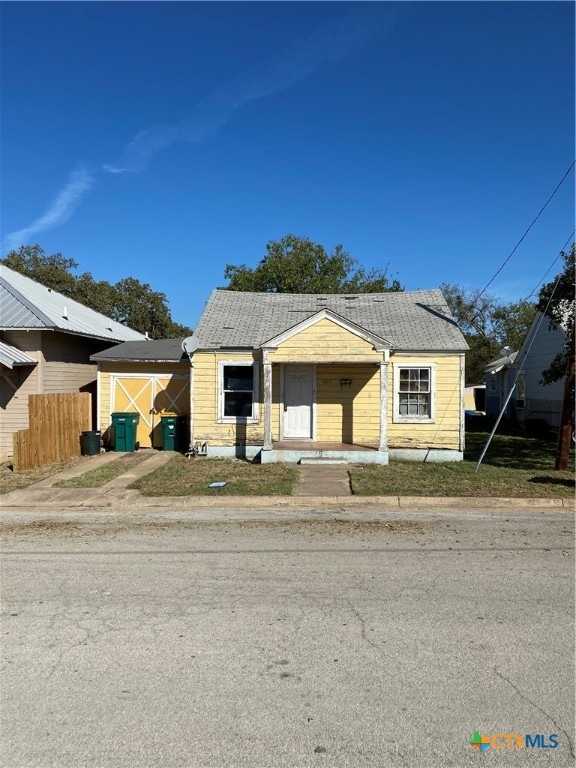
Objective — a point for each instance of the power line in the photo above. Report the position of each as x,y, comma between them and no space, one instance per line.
528,230
539,283
519,365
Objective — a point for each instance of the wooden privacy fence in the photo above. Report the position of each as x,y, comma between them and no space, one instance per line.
56,425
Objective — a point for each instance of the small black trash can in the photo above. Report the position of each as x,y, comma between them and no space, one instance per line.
91,443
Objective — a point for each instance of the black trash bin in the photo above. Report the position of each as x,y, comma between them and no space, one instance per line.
91,442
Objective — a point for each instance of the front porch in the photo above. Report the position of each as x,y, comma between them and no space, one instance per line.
308,451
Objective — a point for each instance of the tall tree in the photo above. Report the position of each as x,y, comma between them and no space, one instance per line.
129,301
487,324
556,300
299,265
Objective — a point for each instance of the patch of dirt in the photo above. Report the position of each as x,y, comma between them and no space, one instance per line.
341,526
336,526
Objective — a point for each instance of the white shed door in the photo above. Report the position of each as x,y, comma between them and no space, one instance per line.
298,400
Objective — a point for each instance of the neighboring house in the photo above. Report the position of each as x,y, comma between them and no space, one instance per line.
360,377
46,341
475,398
500,375
532,401
144,377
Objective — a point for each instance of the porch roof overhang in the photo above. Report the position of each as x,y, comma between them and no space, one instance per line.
12,357
380,344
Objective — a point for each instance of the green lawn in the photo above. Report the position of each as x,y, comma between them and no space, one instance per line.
191,477
11,481
102,475
514,466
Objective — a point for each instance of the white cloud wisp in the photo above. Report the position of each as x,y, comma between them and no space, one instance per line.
79,182
327,44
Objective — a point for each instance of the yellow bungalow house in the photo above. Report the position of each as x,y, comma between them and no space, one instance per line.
297,377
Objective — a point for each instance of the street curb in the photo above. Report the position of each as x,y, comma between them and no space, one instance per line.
117,498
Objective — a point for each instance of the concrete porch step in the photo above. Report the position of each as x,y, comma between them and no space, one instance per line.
322,460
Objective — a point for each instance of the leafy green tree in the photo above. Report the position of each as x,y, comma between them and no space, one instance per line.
557,301
138,306
129,301
54,271
299,265
487,325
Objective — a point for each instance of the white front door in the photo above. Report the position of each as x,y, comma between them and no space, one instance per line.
298,398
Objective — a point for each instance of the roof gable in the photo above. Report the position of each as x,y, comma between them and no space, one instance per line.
326,314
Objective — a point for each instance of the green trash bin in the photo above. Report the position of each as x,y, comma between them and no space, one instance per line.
124,426
91,442
172,432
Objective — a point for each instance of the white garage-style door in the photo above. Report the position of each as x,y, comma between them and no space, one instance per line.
149,396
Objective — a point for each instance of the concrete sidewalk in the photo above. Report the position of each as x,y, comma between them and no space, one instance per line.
319,487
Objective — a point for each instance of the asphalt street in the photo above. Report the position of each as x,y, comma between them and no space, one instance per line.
285,637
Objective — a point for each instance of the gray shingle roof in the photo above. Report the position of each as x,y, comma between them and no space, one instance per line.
26,304
160,350
411,321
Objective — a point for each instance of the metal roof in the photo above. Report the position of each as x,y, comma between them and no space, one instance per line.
11,356
502,362
413,321
159,350
26,304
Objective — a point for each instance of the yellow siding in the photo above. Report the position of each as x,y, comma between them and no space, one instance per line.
348,415
342,415
148,434
324,342
445,431
206,394
104,400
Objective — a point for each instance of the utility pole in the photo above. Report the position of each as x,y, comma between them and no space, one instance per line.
567,415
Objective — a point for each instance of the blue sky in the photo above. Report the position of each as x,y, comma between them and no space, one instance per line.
164,140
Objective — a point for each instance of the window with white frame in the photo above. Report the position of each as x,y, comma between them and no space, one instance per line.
414,393
238,388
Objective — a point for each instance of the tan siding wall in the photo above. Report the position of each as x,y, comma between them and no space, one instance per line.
28,380
67,377
348,415
67,348
14,405
325,342
445,431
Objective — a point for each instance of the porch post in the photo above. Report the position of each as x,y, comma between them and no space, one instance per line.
384,402
267,402
191,442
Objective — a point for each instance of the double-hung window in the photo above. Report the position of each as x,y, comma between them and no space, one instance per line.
414,393
238,388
